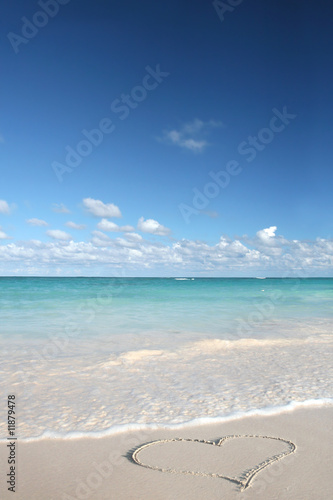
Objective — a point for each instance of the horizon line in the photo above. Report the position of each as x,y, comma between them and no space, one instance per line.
173,277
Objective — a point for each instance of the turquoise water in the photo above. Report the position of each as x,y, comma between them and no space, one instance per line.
92,354
109,306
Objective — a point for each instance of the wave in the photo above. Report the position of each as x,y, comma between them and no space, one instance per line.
210,346
184,279
117,429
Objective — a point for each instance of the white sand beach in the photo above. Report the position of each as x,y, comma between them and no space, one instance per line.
254,463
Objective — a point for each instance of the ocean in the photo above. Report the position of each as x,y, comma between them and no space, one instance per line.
91,356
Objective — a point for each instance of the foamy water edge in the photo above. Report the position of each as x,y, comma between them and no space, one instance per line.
118,429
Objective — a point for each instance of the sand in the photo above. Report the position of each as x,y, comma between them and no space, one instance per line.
282,456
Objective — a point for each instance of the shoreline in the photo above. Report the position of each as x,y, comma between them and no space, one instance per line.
102,468
206,379
197,422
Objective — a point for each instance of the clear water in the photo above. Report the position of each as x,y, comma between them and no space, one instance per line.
94,353
35,306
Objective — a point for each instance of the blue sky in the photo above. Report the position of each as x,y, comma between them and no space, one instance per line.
212,137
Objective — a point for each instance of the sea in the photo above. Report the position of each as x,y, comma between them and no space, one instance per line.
95,356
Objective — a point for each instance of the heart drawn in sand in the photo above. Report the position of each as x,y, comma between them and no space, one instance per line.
191,447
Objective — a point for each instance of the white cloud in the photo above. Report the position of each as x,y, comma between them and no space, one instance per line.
267,241
60,208
73,225
101,235
106,225
133,236
100,239
4,207
100,209
132,253
153,227
266,235
3,236
37,222
191,135
193,145
177,138
57,234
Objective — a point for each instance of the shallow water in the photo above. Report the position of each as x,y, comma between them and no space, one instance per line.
91,354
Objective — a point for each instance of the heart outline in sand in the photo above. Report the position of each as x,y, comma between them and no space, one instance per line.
242,483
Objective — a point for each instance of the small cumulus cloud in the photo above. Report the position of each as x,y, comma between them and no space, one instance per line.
100,209
106,225
191,135
267,241
4,207
73,225
60,208
266,235
178,139
153,227
57,234
37,222
3,235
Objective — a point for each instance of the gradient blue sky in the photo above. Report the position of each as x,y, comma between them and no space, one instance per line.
225,78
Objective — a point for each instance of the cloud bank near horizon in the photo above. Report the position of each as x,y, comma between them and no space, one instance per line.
154,251
132,254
